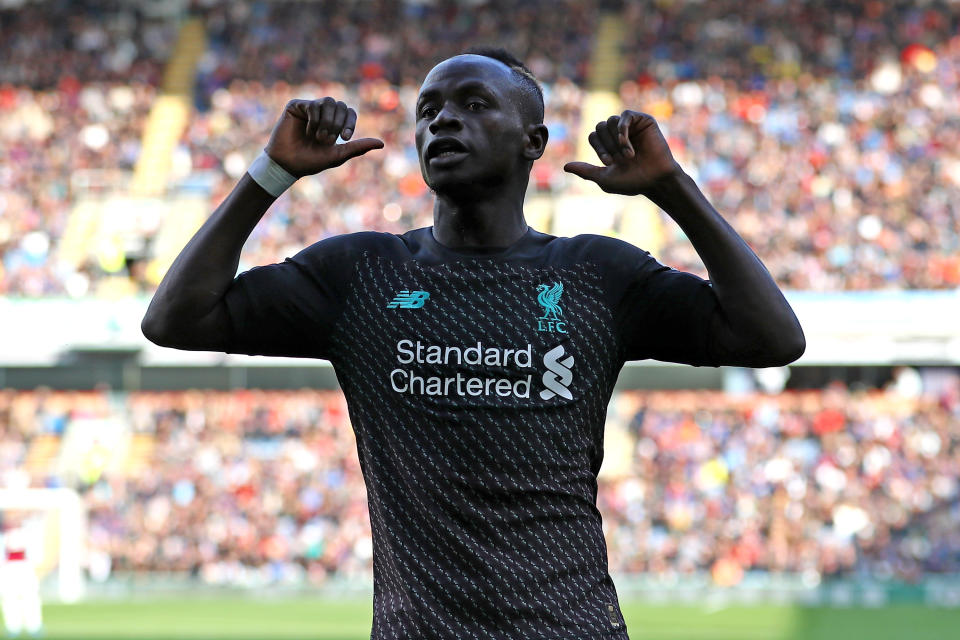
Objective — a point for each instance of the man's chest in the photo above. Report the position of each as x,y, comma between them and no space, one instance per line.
485,332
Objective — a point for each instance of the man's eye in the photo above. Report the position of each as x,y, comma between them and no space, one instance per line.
428,112
476,105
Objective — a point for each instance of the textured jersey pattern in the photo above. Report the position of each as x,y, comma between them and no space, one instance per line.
482,505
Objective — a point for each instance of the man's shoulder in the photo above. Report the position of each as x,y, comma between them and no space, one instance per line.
599,249
347,245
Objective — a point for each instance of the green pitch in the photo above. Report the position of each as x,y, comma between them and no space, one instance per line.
264,619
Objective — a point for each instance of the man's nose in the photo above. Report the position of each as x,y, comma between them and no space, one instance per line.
447,118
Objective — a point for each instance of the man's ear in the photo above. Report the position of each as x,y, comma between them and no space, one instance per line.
535,141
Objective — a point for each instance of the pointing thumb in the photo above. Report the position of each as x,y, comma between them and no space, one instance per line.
584,170
355,148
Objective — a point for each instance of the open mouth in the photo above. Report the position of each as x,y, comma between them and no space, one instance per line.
445,150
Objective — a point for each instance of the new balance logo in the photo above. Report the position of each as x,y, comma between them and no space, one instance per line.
558,376
409,300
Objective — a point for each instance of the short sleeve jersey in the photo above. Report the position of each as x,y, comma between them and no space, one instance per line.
477,384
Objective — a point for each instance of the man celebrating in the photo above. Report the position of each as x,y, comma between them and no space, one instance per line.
478,355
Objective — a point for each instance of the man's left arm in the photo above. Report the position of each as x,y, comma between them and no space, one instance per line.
755,326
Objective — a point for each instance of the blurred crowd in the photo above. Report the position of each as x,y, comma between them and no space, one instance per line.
76,84
826,483
255,487
385,39
827,132
242,488
234,488
260,55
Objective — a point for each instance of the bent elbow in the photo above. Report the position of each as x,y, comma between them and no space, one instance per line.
799,346
770,347
152,330
787,349
175,330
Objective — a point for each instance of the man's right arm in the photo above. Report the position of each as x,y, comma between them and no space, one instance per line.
188,310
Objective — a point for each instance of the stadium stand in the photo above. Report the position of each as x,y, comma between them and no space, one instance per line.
846,150
819,481
247,488
832,130
73,97
832,146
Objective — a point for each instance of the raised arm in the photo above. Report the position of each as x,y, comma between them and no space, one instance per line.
756,326
187,311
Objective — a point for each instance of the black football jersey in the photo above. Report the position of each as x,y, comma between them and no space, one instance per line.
477,384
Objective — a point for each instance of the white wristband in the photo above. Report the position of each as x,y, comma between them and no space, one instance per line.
268,174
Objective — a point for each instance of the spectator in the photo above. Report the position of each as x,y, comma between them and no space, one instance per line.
252,487
838,127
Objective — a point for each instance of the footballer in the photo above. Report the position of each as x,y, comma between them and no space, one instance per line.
478,355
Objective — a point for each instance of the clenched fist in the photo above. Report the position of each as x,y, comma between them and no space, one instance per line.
634,153
304,140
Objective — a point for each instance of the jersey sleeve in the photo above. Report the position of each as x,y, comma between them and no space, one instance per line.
291,308
667,315
660,313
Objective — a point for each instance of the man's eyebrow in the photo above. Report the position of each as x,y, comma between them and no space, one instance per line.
426,95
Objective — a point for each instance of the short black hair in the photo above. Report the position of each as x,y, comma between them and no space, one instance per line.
528,82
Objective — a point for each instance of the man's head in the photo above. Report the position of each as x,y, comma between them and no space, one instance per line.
531,93
479,122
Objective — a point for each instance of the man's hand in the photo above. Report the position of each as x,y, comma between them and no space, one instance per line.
754,325
304,140
634,153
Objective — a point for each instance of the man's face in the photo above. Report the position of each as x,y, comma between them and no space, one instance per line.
470,128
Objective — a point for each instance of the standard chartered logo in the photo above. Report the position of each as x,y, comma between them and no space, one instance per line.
559,374
416,377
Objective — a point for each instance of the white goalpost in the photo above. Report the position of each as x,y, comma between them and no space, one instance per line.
64,510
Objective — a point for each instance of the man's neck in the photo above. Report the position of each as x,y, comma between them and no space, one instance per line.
497,222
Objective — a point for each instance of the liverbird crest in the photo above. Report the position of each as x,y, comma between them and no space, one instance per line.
549,298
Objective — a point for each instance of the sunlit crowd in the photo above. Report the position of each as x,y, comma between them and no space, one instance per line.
826,132
826,483
253,487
